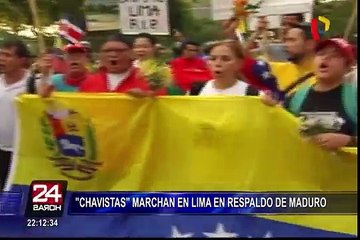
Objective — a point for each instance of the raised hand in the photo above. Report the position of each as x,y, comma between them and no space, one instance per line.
45,64
268,99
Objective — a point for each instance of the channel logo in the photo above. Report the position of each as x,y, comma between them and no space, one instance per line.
315,30
46,199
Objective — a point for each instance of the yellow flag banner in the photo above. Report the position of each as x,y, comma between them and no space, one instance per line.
117,143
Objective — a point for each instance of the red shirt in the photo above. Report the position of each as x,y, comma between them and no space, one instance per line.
98,82
76,81
187,71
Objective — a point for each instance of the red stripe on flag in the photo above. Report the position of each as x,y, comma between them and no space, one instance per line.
75,34
315,29
71,31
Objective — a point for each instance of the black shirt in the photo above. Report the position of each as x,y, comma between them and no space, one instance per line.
327,106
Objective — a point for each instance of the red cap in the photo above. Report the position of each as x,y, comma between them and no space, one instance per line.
70,48
345,47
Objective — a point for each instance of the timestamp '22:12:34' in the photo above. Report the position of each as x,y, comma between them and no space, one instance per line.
42,222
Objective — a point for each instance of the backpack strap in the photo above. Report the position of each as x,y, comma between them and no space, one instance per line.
349,97
251,91
297,100
196,88
298,82
31,84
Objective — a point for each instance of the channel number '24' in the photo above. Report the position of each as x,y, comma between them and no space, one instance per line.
45,194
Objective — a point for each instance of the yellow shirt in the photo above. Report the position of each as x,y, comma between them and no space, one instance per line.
287,73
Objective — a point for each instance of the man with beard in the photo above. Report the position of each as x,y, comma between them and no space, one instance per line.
300,48
276,51
13,58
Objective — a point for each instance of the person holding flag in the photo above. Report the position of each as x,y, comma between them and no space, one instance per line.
328,107
289,75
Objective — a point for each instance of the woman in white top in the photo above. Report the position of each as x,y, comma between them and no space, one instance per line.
225,62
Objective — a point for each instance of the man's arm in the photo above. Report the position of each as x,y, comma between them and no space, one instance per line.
230,26
44,85
261,30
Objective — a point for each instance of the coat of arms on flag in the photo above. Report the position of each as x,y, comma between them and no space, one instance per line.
71,142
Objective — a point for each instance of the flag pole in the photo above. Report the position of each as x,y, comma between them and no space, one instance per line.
351,21
36,22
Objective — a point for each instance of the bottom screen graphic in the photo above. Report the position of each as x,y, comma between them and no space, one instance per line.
47,209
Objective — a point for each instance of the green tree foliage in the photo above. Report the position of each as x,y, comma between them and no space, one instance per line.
111,9
338,12
179,14
182,19
13,13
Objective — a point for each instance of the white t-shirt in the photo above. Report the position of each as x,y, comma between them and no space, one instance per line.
8,93
238,89
114,80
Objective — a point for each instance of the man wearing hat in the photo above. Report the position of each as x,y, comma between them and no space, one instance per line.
331,102
76,71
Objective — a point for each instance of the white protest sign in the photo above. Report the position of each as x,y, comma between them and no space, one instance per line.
274,9
150,16
281,7
224,9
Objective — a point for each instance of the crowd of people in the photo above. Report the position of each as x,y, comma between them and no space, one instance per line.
316,82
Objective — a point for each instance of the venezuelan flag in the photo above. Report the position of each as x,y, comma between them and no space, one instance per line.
175,144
